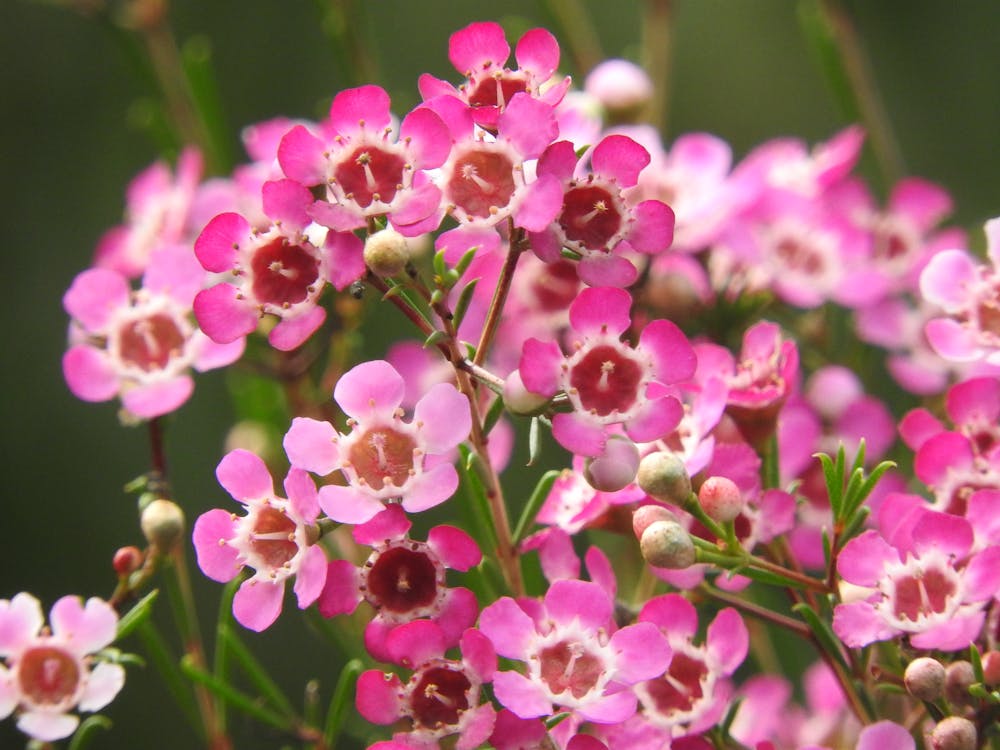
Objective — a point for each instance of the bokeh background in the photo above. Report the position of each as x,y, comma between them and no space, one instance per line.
71,102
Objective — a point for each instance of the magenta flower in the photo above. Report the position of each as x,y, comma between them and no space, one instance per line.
403,580
575,657
922,582
51,672
278,271
479,52
365,172
383,458
140,346
442,696
607,381
276,538
597,219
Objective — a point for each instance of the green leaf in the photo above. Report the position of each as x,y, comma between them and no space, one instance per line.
534,441
462,305
825,636
235,698
255,671
439,265
341,702
437,296
435,338
87,731
196,59
538,495
165,663
823,44
475,490
137,615
493,415
463,263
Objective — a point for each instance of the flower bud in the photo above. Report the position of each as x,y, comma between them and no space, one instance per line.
721,499
648,514
991,668
518,399
621,86
954,733
960,677
126,561
615,468
663,475
665,544
386,253
162,523
925,679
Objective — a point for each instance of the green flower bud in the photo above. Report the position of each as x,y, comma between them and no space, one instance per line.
663,475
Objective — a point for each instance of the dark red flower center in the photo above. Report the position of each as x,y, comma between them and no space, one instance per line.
439,697
590,216
496,90
272,538
370,174
283,273
606,380
797,254
402,579
680,688
922,594
382,455
482,180
556,286
569,666
48,676
149,343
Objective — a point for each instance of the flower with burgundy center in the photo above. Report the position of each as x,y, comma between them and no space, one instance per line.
575,658
442,696
607,381
479,52
278,271
383,458
597,220
276,538
140,345
923,582
694,692
51,672
365,170
403,580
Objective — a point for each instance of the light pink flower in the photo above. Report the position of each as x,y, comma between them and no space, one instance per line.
50,673
276,538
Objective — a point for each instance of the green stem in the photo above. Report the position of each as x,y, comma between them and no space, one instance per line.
657,25
756,610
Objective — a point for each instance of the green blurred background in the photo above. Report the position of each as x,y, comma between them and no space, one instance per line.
741,70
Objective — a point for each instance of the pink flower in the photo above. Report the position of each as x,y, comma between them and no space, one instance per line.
278,271
442,696
619,85
275,538
365,172
403,580
140,345
597,219
383,458
575,657
479,52
48,674
607,381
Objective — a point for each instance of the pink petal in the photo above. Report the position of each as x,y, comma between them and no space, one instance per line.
366,107
936,456
458,613
431,488
558,160
86,628
211,355
94,296
568,600
983,512
600,269
217,560
219,241
953,340
301,158
443,418
478,654
944,531
370,389
291,333
946,278
287,202
223,315
523,697
953,635
610,709
311,576
312,445
257,603
864,558
922,202
655,419
974,400
540,367
340,218
992,229
600,310
415,643
537,52
477,725
885,735
557,556
476,46
981,577
347,505
457,242
577,434
379,697
89,374
529,124
157,399
858,624
104,683
653,230
416,205
429,139
600,571
340,594
673,613
389,523
540,205
508,628
619,158
917,426
643,653
20,620
728,640
244,475
47,726
456,548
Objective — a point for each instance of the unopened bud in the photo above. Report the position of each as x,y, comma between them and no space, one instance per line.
954,733
615,468
991,668
925,679
721,499
663,475
162,523
126,561
960,677
518,399
621,86
648,514
665,544
386,253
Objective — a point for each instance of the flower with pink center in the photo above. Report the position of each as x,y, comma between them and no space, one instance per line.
365,170
694,692
403,580
607,381
158,211
48,672
383,458
140,345
597,219
968,292
479,52
277,271
276,538
921,580
575,657
442,696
